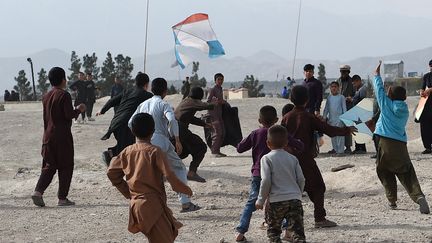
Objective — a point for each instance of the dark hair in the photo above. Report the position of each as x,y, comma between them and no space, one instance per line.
89,73
267,115
141,79
356,78
430,63
335,83
398,93
197,93
308,67
277,135
56,76
143,125
287,108
159,86
218,75
299,95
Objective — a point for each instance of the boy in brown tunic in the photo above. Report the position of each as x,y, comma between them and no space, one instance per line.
302,125
218,132
144,166
57,143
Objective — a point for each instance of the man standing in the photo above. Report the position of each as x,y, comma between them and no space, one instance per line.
57,142
426,116
218,132
347,90
91,96
126,103
185,88
315,90
81,93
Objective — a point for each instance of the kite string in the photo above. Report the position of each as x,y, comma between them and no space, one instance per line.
295,48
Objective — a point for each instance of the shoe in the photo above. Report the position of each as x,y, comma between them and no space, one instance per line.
84,120
38,201
348,151
189,207
374,156
393,205
219,155
196,177
325,224
331,151
424,207
339,155
427,151
359,152
106,157
91,119
65,203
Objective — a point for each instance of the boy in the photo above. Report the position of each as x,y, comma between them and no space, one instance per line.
91,95
282,183
144,166
257,141
335,106
192,143
287,108
57,142
393,157
360,94
218,131
166,126
302,125
81,94
126,103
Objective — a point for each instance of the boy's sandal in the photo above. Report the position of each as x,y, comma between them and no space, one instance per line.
192,207
243,239
38,201
65,203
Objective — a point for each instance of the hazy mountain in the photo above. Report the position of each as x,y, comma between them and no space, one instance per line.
264,65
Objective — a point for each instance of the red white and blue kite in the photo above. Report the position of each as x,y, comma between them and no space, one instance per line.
196,32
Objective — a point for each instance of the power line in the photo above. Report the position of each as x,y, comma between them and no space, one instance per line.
295,48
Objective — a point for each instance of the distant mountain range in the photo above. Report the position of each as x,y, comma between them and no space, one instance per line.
264,65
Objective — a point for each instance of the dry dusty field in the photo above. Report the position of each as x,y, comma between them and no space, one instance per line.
354,198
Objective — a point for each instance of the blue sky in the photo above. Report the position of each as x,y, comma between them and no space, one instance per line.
330,29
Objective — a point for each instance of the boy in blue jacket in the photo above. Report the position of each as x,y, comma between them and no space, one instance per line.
392,156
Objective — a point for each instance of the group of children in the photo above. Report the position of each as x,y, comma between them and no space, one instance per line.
283,160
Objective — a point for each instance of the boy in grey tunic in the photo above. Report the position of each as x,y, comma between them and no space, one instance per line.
335,106
282,183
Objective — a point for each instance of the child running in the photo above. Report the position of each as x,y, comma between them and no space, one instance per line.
302,125
257,141
335,106
282,183
393,158
144,166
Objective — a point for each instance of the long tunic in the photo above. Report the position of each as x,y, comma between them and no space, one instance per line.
143,165
216,92
335,106
185,111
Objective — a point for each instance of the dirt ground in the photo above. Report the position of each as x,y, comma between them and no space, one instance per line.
354,198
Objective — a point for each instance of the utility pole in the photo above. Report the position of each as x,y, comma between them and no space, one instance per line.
34,88
146,31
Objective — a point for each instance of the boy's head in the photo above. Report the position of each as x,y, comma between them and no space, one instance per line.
197,93
57,77
299,95
81,76
277,137
143,126
397,93
308,71
287,108
267,116
356,81
142,80
159,87
117,80
219,79
334,88
89,76
430,65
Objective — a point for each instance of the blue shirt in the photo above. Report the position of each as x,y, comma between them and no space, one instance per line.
394,114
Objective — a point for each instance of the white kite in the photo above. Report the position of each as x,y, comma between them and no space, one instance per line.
196,32
357,116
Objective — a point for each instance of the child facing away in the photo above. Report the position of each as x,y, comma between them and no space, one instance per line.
282,183
393,158
302,125
144,166
335,106
257,141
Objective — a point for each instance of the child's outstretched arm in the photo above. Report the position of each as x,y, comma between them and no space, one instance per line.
379,90
115,174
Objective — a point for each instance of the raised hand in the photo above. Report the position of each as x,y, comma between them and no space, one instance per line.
378,68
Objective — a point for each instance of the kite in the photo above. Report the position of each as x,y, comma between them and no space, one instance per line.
357,116
195,32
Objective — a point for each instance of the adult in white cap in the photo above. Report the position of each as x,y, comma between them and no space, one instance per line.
347,90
